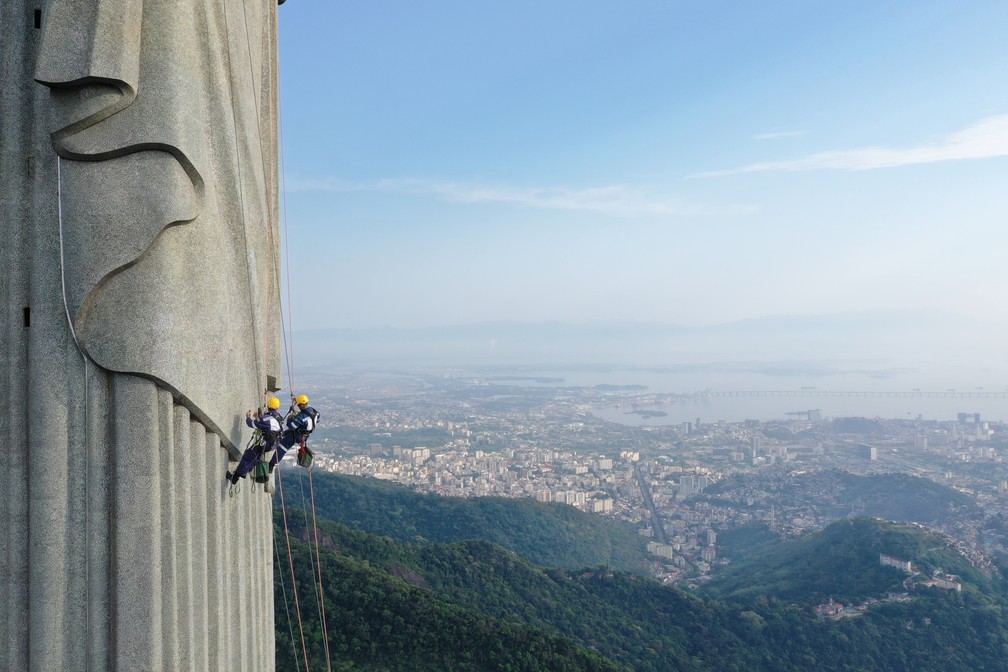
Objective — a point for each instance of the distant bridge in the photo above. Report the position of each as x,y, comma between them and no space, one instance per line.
919,394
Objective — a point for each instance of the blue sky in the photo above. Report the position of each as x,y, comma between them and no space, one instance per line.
684,162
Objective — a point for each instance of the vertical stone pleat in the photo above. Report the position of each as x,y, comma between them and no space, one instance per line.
48,447
265,582
78,541
216,498
241,571
195,477
183,512
99,501
137,523
16,256
231,576
168,418
257,585
256,572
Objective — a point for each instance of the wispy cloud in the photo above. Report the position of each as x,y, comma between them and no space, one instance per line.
778,135
986,139
616,200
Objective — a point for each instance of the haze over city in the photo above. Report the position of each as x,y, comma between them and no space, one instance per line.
666,163
608,337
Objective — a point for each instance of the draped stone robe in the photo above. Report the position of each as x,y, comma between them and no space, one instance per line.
139,204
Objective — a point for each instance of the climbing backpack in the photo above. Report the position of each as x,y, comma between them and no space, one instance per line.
262,472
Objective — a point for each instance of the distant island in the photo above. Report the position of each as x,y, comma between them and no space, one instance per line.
542,380
605,387
647,413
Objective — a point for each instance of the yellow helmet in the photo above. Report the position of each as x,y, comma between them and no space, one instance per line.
273,403
303,399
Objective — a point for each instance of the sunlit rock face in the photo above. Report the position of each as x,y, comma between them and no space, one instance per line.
139,202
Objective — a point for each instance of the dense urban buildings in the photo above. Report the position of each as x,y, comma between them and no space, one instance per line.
680,484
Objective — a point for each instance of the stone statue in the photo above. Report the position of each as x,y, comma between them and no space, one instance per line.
139,192
165,114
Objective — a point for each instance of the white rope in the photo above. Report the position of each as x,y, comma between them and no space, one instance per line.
264,353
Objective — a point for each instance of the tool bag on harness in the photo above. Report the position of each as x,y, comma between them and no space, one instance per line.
262,472
310,420
305,456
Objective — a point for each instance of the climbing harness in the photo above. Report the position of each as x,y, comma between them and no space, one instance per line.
256,441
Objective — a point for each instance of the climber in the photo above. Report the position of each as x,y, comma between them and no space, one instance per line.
301,422
270,429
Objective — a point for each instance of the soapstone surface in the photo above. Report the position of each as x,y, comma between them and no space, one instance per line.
138,190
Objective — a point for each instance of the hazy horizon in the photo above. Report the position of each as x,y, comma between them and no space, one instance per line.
783,181
924,352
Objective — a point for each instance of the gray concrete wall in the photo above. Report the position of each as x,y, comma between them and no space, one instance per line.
132,347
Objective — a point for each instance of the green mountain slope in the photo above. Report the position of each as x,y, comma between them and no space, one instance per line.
551,535
474,606
378,621
834,494
901,497
839,562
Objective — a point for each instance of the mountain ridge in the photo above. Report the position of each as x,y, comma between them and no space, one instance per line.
398,606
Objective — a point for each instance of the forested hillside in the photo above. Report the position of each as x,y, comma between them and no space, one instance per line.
901,497
551,535
476,606
840,562
832,494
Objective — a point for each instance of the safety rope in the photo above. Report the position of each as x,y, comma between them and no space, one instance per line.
274,278
311,557
286,244
87,446
269,303
318,562
290,560
289,351
255,94
260,356
283,591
